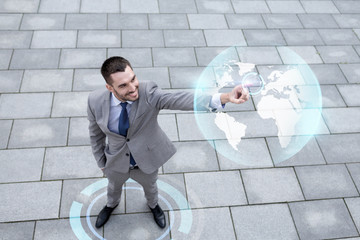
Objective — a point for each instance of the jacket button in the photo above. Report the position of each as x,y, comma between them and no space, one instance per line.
127,154
128,140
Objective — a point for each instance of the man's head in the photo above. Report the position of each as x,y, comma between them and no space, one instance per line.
120,78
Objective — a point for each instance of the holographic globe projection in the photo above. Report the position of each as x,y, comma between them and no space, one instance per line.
285,102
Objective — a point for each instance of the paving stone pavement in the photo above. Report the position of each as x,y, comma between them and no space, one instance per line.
50,55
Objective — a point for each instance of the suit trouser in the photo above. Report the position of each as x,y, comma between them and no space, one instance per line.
117,180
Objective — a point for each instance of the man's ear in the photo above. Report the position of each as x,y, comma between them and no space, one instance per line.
109,87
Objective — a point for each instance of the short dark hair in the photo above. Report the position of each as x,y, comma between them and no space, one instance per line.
113,65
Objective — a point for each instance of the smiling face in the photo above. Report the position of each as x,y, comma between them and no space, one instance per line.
124,85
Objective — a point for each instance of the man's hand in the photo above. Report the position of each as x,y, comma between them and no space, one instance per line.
237,95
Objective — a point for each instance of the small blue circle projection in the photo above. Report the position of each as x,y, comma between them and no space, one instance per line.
283,114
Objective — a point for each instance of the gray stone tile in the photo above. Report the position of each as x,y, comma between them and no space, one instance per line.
39,133
227,38
205,224
168,21
19,6
353,205
100,6
309,154
62,229
79,132
184,38
350,94
134,226
5,56
88,79
10,81
72,104
340,148
207,21
331,97
5,127
338,36
250,153
206,55
138,57
35,59
352,72
15,39
18,168
82,58
302,37
250,6
86,21
259,55
342,120
319,7
159,75
264,37
285,7
54,39
174,6
217,6
357,48
142,38
59,6
10,21
84,191
127,21
245,21
43,21
347,20
17,231
192,157
164,57
211,189
26,105
306,53
328,73
47,80
99,38
271,185
338,54
317,21
30,201
167,123
322,219
354,169
348,6
281,21
65,163
274,220
139,6
326,181
188,77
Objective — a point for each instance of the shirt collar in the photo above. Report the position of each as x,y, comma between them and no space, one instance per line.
115,101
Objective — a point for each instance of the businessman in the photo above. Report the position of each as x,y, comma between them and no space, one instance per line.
125,113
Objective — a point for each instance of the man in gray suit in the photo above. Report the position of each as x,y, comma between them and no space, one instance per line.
126,114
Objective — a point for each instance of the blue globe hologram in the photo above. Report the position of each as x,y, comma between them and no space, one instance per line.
287,102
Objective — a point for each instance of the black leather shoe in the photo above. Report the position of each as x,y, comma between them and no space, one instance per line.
159,216
104,216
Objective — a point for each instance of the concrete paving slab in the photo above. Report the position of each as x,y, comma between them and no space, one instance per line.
174,6
39,133
274,220
210,189
82,58
326,181
42,201
217,6
168,21
70,104
245,21
354,169
207,21
5,56
79,132
250,7
159,75
353,205
10,21
167,123
338,37
227,38
331,96
21,165
99,38
100,6
172,57
43,21
188,77
259,55
285,7
319,7
306,53
10,80
302,37
139,6
184,38
138,57
19,6
205,224
17,231
15,39
342,120
349,93
281,21
338,54
142,38
328,73
94,21
322,219
47,81
348,6
5,128
206,55
54,39
351,71
35,59
347,20
59,6
264,37
88,79
318,20
127,21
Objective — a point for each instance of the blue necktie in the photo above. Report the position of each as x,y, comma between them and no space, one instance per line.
124,126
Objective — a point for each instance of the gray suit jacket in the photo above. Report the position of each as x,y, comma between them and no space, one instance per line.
146,141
